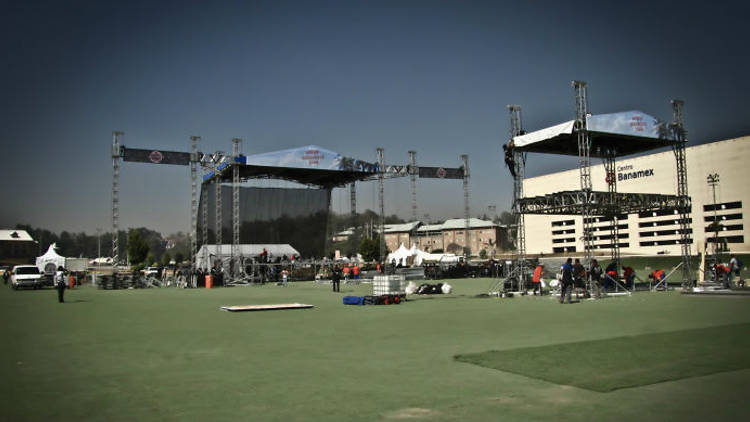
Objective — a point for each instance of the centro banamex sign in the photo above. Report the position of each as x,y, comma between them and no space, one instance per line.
623,174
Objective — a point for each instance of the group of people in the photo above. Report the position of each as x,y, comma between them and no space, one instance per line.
725,272
575,276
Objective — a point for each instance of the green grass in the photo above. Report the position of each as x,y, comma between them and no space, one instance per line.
631,361
173,355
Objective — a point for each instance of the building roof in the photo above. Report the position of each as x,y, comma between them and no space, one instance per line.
430,228
460,223
402,228
15,235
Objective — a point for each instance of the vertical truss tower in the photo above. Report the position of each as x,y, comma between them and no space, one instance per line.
413,176
194,161
684,208
519,165
116,142
381,199
236,151
584,167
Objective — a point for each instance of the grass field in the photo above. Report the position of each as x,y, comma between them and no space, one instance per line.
170,354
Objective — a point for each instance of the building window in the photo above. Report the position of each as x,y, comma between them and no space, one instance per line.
723,206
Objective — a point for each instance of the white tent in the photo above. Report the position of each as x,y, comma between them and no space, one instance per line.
50,260
214,252
402,254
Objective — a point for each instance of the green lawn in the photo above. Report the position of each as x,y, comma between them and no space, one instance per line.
630,361
170,354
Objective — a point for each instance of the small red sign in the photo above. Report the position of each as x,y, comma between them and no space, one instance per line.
156,157
441,172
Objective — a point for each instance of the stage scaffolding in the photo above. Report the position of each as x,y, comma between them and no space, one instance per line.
584,142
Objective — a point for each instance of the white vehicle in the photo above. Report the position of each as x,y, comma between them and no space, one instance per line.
152,272
26,276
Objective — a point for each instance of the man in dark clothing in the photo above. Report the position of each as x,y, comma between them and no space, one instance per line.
509,161
596,278
336,279
567,281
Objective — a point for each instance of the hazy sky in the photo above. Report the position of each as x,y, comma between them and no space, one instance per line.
350,76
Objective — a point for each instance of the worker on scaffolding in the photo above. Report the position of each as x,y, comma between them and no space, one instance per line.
509,160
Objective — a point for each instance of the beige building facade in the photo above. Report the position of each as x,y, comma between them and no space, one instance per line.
655,232
450,237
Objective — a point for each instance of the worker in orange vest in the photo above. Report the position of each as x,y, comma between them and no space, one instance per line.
71,280
536,279
355,271
346,272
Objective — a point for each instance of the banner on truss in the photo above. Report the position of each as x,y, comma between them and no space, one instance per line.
441,173
155,156
627,123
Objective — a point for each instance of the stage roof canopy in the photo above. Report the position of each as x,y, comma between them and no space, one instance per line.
309,165
628,132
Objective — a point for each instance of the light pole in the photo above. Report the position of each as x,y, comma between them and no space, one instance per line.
713,180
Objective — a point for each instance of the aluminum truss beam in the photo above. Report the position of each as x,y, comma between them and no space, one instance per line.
598,203
584,167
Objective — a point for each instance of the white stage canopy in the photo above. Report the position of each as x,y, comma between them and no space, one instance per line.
628,132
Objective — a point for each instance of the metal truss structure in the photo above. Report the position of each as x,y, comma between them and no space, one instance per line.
217,170
610,204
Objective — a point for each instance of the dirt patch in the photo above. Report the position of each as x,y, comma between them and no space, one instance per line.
411,413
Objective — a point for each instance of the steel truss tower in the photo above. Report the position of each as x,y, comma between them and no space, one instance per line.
353,202
381,199
519,165
218,216
467,221
116,154
584,167
236,151
680,136
613,208
413,176
194,161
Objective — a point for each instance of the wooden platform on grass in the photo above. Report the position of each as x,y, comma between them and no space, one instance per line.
273,307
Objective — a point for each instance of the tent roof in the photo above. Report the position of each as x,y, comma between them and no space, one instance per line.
628,132
51,253
15,235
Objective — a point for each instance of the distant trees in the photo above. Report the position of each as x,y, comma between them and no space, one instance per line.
137,247
369,248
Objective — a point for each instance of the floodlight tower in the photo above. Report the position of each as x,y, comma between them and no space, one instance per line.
713,180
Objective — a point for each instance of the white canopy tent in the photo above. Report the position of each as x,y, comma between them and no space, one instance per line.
50,261
223,252
401,256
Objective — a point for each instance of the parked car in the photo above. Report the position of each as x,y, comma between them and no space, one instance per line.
26,276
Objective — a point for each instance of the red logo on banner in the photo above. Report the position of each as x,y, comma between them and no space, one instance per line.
441,172
156,157
610,177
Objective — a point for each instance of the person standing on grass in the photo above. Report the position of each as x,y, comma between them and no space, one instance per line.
284,276
596,278
6,276
567,281
735,266
336,279
60,283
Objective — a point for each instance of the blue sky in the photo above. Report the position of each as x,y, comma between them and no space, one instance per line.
349,76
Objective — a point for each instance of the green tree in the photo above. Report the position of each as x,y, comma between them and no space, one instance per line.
370,248
483,254
165,258
150,259
137,247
